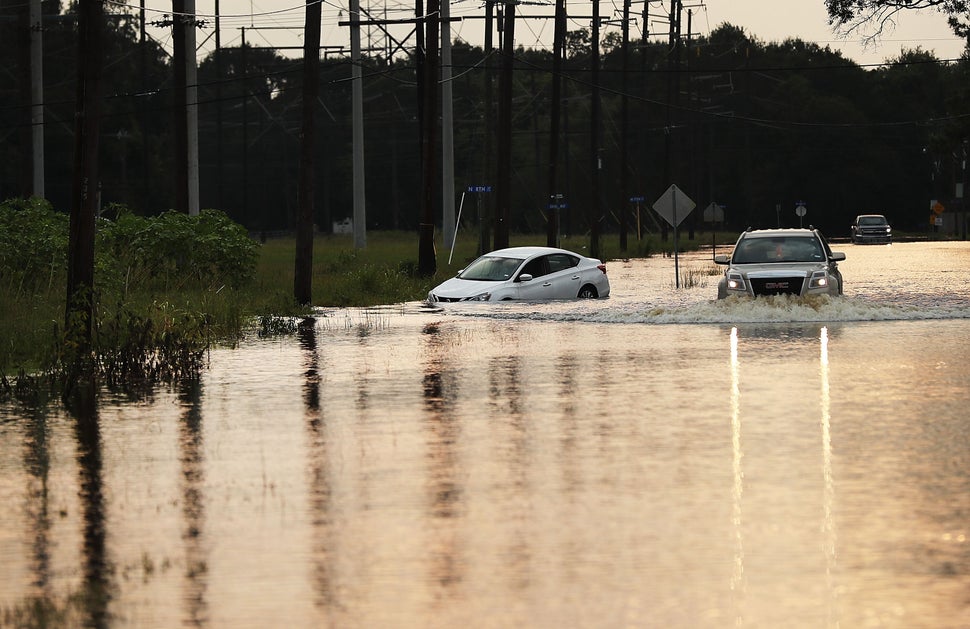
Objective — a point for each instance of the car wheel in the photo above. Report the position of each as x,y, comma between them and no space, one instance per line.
587,292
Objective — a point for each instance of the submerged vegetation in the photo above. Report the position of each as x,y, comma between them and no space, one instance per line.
169,287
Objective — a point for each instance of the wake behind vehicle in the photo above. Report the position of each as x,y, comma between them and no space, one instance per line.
526,273
781,262
871,228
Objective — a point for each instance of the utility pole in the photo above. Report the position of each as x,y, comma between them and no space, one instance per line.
427,264
245,125
624,128
691,135
179,107
191,109
37,97
143,106
558,46
485,213
447,130
357,94
504,176
594,139
220,187
303,264
79,311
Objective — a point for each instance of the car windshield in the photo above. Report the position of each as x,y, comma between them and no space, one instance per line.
872,220
491,269
778,249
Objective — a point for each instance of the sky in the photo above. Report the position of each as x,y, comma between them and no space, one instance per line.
280,22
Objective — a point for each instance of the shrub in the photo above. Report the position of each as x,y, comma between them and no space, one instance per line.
175,250
33,245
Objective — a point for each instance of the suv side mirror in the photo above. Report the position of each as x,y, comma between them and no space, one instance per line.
722,259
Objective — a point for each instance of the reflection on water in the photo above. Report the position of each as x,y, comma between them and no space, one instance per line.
193,503
657,459
96,586
737,488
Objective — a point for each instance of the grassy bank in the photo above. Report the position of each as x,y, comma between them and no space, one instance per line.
383,272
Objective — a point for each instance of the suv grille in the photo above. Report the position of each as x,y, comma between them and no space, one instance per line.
777,285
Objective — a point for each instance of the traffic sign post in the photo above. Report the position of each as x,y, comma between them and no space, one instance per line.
674,205
800,211
483,235
556,204
638,200
714,214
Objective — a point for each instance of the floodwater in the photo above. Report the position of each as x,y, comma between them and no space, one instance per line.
656,459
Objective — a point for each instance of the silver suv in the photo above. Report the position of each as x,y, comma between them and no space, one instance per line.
871,228
780,262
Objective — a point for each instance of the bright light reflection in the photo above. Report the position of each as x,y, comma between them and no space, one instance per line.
737,577
828,523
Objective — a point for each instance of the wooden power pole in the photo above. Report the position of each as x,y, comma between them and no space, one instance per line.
84,191
303,263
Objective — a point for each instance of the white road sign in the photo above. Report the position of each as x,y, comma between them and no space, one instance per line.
714,213
674,205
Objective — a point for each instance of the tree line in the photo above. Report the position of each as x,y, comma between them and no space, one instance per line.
757,127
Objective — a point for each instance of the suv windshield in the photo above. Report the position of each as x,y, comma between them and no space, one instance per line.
872,220
778,249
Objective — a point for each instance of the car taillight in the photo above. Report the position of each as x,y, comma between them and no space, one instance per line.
601,267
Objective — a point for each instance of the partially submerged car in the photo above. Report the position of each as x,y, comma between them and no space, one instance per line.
780,262
527,273
871,228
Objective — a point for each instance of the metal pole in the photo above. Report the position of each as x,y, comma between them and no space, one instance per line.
360,212
673,192
37,97
191,108
447,130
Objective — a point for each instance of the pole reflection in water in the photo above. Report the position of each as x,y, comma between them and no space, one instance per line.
318,472
440,386
504,386
37,508
96,587
566,370
193,503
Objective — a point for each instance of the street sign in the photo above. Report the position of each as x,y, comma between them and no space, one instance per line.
800,210
479,188
674,205
714,213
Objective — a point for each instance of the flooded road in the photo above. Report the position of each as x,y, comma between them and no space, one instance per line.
656,459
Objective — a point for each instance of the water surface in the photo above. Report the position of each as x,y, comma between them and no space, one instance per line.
656,459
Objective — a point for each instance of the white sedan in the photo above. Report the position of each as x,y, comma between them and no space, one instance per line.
528,273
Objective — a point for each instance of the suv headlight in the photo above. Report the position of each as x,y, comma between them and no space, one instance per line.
735,282
819,279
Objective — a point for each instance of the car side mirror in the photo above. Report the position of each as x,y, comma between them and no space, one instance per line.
525,277
837,256
722,259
